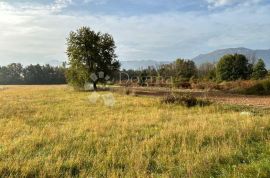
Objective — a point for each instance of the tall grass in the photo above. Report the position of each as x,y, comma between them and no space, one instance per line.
52,131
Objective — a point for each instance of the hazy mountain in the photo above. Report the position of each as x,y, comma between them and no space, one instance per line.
251,54
141,64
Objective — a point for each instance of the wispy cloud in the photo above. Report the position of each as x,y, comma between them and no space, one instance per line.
220,3
55,6
60,4
37,33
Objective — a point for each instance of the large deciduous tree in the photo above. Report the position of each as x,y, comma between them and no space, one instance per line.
89,54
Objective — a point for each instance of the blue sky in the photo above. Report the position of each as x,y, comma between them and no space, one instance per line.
35,31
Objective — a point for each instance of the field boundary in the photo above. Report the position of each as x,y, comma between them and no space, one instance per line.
214,95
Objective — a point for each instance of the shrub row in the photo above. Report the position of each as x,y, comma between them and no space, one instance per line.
261,88
184,100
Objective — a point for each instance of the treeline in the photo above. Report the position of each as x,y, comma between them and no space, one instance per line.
16,74
228,68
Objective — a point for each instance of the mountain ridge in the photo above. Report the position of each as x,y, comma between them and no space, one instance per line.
141,64
251,54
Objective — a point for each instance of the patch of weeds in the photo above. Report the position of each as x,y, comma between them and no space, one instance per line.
261,88
178,172
184,100
73,170
250,160
257,111
154,167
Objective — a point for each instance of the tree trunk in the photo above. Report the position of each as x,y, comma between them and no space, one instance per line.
95,86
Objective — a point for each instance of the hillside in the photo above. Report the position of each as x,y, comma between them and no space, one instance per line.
202,58
215,55
141,64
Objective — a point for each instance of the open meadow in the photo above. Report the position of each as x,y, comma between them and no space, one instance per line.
53,131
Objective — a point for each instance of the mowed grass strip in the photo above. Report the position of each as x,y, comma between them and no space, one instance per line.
52,131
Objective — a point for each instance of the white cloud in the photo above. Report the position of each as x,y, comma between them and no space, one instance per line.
39,34
56,6
60,4
220,3
96,1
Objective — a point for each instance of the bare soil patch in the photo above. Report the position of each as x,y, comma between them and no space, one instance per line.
216,96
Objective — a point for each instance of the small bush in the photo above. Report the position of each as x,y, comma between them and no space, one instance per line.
261,88
184,100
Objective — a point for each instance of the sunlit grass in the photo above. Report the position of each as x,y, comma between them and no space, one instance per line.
52,131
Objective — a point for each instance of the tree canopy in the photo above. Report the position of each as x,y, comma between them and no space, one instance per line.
233,67
90,53
181,69
259,70
15,73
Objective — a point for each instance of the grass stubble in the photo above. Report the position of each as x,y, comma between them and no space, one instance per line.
52,131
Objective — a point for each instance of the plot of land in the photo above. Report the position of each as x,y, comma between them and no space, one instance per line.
217,96
53,131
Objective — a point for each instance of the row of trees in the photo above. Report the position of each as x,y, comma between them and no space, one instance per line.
15,73
237,66
228,68
180,71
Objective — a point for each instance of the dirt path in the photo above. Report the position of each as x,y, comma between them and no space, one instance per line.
217,96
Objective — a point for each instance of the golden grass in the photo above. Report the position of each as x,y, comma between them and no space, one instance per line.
52,131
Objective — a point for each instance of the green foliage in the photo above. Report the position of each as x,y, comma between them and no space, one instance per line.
184,100
90,52
232,67
259,70
32,74
177,73
185,69
77,75
181,69
36,74
11,74
207,71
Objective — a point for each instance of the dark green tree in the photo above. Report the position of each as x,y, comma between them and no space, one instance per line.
33,74
185,69
232,67
90,53
4,75
11,74
259,70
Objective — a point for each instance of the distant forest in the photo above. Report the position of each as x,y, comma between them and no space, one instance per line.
15,73
229,68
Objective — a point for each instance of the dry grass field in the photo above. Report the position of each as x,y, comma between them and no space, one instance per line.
52,131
